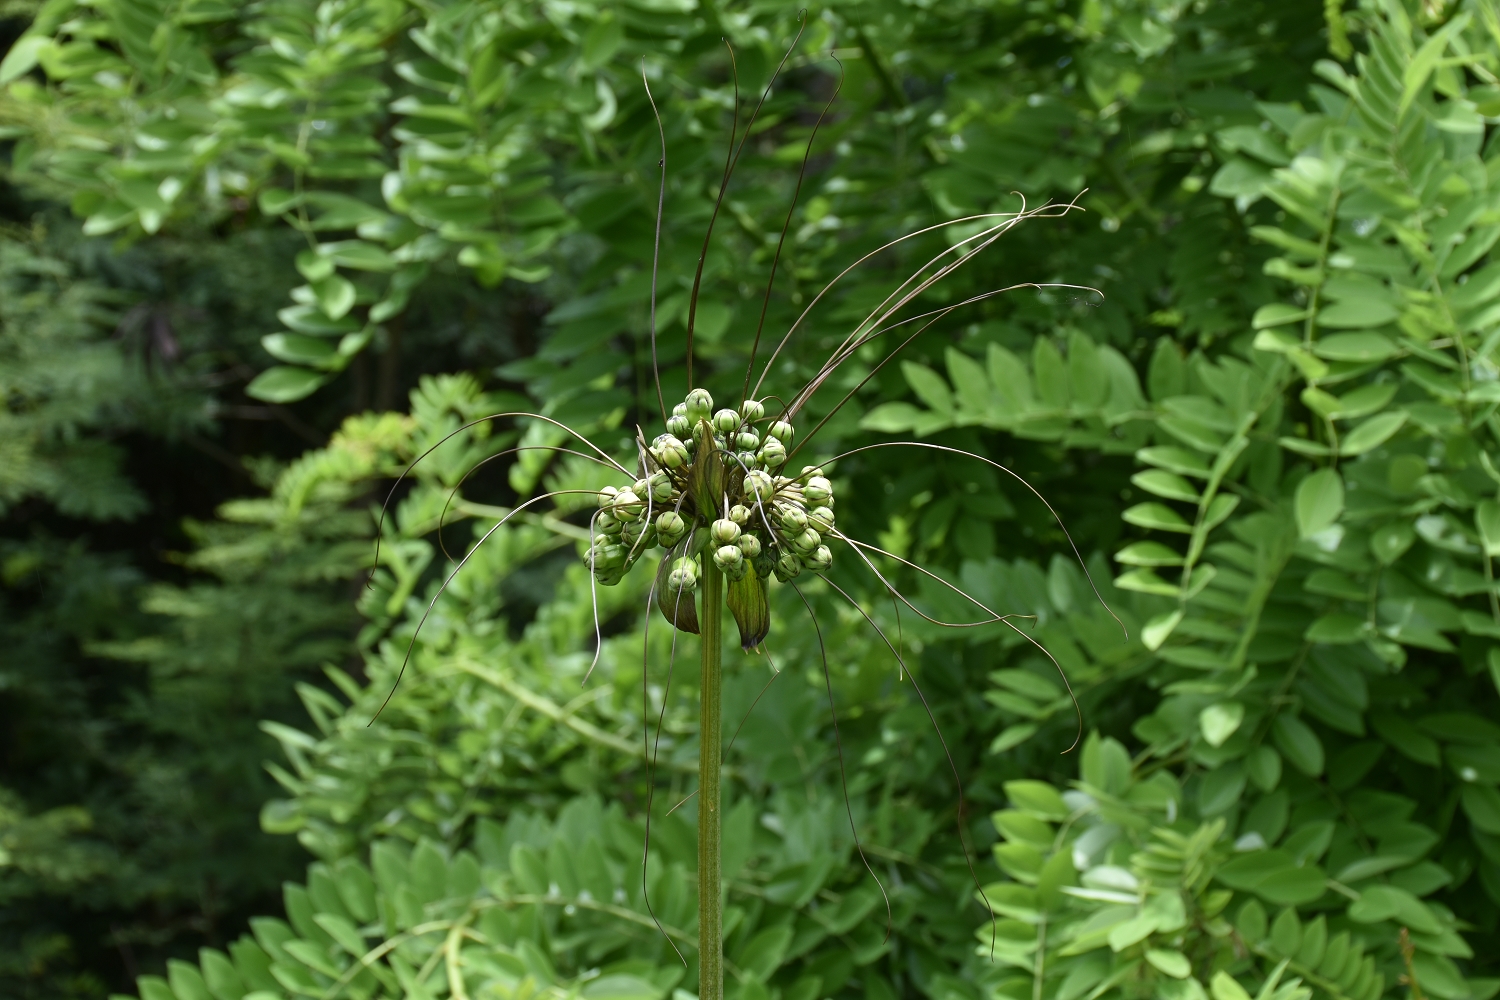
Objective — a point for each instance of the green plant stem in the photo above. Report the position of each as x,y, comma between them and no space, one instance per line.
710,761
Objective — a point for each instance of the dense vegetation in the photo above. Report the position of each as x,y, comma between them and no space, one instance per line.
256,258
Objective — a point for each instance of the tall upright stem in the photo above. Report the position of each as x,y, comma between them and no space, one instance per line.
710,754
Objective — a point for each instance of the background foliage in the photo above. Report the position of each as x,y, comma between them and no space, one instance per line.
237,232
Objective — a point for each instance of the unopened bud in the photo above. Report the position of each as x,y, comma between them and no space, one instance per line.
670,527
788,566
728,557
607,496
661,488
781,431
747,440
684,575
793,520
821,518
669,451
817,490
699,405
752,410
819,560
726,421
806,542
725,531
773,453
739,514
750,545
627,506
758,485
679,425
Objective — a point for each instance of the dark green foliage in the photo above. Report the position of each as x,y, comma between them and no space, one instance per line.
1275,419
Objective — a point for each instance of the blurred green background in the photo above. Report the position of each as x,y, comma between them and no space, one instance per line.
256,257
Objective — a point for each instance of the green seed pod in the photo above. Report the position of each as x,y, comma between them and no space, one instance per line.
679,425
728,557
739,514
819,560
781,431
806,542
699,405
607,556
821,518
773,453
788,566
627,506
670,528
752,410
726,421
758,486
725,531
817,490
669,451
750,545
792,520
764,564
747,440
684,575
607,496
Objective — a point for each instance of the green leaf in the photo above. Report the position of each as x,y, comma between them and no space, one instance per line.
1160,628
1415,76
1220,720
335,296
929,387
1178,460
1148,554
891,418
296,349
1224,987
1038,798
23,56
1354,314
1372,433
1157,516
285,384
1299,744
1277,314
358,255
1171,963
1319,502
1487,520
1165,484
1359,347
1482,803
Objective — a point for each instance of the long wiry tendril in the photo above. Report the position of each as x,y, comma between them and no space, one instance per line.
857,546
838,742
450,578
1018,478
963,841
661,201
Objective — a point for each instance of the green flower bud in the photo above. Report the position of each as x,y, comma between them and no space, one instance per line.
679,425
627,506
680,410
747,440
684,575
788,566
661,487
607,556
817,490
725,531
758,485
638,535
691,443
746,460
726,421
764,563
806,542
607,496
728,557
739,514
670,528
819,560
781,431
668,450
792,520
810,470
607,523
699,405
752,410
750,545
821,518
773,453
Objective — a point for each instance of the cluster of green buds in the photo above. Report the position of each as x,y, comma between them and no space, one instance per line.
751,520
